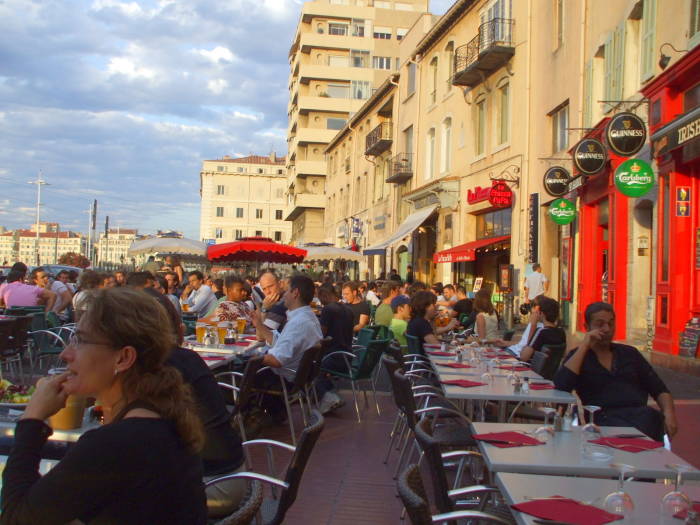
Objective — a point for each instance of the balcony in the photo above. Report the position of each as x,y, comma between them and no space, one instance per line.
401,168
303,201
487,52
379,139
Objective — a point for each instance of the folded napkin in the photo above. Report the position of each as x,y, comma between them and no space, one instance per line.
519,368
443,354
628,444
242,343
508,439
541,386
684,513
214,358
498,356
455,365
465,383
567,510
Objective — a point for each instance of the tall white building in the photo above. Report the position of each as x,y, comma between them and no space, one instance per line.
21,245
113,248
243,197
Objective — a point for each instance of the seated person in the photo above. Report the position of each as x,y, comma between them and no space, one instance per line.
197,295
13,292
401,307
486,324
550,333
449,297
232,306
534,323
423,311
360,308
384,313
272,307
617,378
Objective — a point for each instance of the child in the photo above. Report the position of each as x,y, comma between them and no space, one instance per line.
402,313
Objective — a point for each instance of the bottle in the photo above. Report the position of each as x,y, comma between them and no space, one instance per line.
230,338
443,346
460,357
567,419
692,518
517,385
558,422
526,385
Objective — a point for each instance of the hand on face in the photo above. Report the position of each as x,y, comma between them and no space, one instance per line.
271,300
593,337
48,398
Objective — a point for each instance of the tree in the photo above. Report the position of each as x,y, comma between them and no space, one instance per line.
74,259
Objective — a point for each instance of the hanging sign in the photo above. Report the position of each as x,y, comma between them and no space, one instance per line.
634,178
556,181
533,228
626,133
562,211
683,201
590,156
501,196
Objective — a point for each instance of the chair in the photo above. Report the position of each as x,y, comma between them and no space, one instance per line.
48,345
273,511
413,495
10,352
364,336
508,336
242,394
249,507
555,354
414,345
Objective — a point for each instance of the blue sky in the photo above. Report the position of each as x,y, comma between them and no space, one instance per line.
120,101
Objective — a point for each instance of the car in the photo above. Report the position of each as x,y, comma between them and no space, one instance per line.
53,269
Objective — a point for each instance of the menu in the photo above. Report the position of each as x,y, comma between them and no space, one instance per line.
690,337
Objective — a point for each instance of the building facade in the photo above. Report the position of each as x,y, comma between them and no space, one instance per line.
342,51
243,197
113,247
21,245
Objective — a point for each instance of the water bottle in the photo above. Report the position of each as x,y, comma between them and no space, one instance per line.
558,422
517,385
526,385
567,419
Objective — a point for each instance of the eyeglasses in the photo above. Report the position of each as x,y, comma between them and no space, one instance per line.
76,340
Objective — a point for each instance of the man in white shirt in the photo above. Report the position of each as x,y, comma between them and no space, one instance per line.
535,283
63,295
198,295
533,326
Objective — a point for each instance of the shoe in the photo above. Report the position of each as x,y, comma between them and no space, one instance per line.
330,402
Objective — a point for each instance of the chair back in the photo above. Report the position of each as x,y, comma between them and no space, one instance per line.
368,358
7,330
413,495
537,362
38,321
52,320
394,350
245,387
21,330
555,353
414,345
297,464
403,397
432,454
364,336
306,366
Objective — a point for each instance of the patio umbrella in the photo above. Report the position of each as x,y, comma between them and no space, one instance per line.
169,245
257,249
331,253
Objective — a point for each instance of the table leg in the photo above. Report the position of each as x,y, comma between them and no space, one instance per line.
501,411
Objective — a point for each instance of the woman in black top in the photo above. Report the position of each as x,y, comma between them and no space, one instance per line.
423,311
550,333
141,467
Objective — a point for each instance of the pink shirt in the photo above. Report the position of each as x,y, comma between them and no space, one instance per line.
20,294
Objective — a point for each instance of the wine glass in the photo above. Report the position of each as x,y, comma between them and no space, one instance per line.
476,466
545,432
591,428
619,502
676,501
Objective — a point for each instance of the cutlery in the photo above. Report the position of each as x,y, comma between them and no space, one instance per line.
541,521
504,442
627,436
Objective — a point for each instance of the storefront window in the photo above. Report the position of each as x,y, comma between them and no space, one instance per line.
493,224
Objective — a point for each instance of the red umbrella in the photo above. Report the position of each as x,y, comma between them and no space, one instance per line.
260,249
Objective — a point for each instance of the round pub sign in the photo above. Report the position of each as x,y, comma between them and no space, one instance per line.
501,196
626,133
562,211
556,181
590,156
634,178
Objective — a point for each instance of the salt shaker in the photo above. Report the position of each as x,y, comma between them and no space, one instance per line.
517,385
443,346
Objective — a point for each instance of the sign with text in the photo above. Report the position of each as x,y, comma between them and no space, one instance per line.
634,178
590,156
562,211
477,195
501,196
533,228
556,181
626,133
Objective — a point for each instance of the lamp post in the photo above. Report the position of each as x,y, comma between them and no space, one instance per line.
39,183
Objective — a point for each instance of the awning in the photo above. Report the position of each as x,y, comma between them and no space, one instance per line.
677,133
466,252
412,222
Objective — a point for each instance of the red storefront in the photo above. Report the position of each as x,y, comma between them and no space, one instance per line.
674,126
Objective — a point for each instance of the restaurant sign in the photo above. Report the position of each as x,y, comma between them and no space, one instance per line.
478,194
680,132
562,211
634,178
590,156
626,133
501,196
556,181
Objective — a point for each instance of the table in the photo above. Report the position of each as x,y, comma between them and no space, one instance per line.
7,429
496,372
646,496
501,390
561,456
44,466
213,355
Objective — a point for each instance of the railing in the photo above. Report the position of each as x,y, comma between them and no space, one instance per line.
495,32
379,139
401,168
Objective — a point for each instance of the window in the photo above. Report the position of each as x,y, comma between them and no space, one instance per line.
411,84
560,135
278,236
358,27
221,168
359,58
218,233
694,33
220,190
503,115
219,211
400,6
379,4
338,91
338,61
381,62
239,234
258,213
240,169
559,23
433,72
278,215
335,123
260,170
400,33
239,213
430,154
493,224
408,140
450,63
280,172
382,33
648,37
258,233
361,89
446,146
480,125
338,29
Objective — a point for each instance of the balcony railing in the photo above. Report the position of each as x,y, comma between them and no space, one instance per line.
401,168
379,139
488,51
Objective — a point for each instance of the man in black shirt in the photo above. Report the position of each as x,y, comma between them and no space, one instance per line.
360,308
550,333
617,378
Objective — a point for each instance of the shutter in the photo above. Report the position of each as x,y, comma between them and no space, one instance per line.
648,27
588,95
607,75
619,67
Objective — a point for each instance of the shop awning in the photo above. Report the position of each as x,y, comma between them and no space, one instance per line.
677,133
466,252
411,222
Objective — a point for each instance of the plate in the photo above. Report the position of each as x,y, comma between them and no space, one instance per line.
18,406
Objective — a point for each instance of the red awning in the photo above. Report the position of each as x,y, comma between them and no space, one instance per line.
466,252
255,249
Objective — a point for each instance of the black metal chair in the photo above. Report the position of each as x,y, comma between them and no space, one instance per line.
273,510
248,508
555,354
241,387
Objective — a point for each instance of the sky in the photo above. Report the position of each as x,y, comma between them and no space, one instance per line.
120,101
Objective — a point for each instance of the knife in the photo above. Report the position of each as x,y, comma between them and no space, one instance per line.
627,436
550,522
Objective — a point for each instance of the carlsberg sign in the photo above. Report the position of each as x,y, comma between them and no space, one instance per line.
634,178
562,211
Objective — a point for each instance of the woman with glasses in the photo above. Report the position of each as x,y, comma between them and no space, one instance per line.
142,466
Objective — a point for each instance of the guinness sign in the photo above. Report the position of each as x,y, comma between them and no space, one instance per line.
590,156
556,181
626,133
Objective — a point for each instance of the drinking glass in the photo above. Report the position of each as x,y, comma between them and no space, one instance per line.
200,331
676,501
590,428
487,377
545,432
476,466
619,502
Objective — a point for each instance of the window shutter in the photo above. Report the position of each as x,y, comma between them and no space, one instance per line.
648,34
619,66
588,95
607,75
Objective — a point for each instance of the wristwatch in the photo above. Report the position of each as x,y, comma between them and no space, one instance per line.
263,310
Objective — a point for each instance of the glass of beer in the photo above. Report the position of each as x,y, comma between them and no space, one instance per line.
200,329
185,307
222,328
241,325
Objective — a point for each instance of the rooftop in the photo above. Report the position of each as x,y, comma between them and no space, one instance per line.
253,159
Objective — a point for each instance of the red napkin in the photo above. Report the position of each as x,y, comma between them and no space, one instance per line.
518,439
455,365
568,510
465,383
520,368
541,386
628,444
241,344
443,354
684,514
214,358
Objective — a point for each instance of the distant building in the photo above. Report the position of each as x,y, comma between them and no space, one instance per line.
113,248
21,245
243,197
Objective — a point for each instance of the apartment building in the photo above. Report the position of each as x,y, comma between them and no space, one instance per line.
112,248
21,245
342,51
243,197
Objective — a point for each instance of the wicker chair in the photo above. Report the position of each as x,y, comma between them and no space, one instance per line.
249,507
